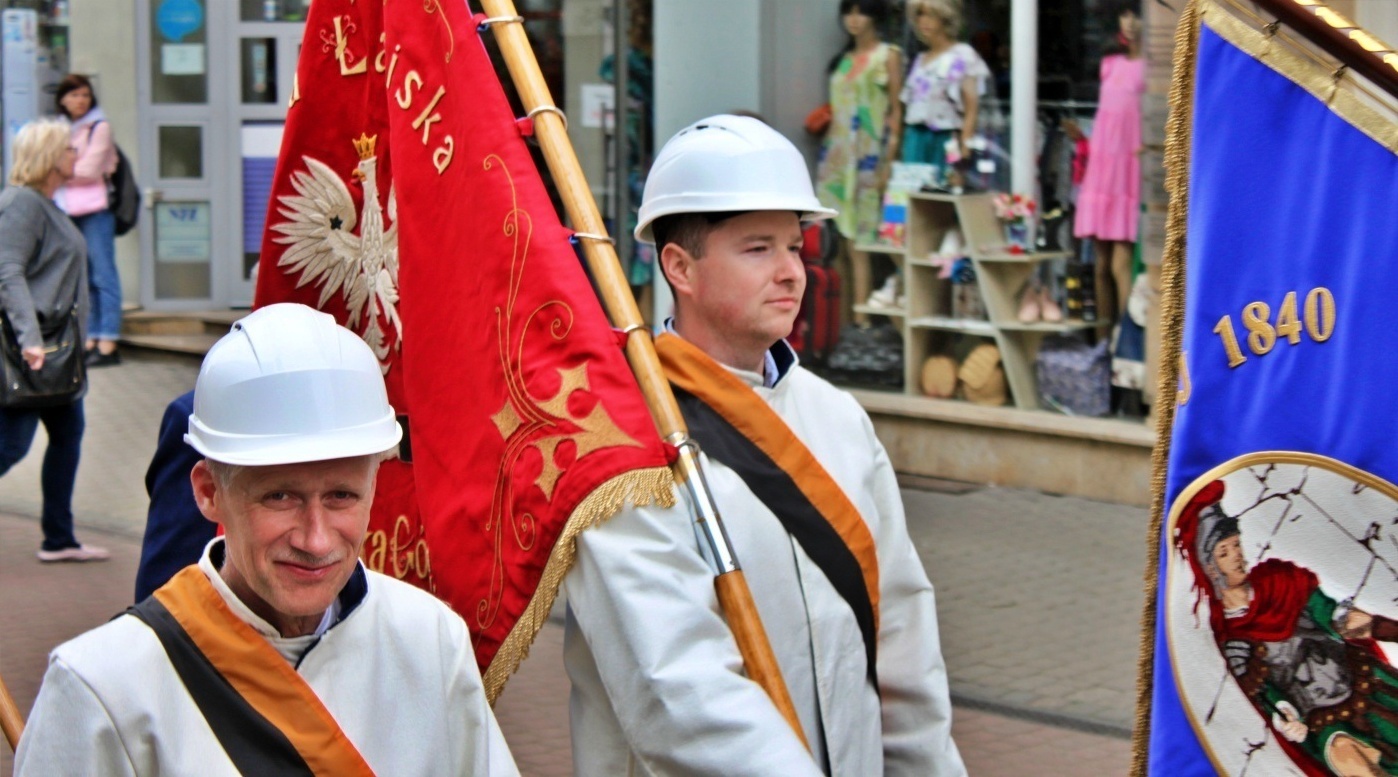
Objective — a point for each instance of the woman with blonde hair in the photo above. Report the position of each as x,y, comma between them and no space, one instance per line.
941,95
43,281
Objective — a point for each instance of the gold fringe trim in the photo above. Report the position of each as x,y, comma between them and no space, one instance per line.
637,488
1364,111
1177,141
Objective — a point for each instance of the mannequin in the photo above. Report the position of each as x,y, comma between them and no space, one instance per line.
942,95
1108,208
864,135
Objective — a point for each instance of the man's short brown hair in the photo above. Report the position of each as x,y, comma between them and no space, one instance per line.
688,230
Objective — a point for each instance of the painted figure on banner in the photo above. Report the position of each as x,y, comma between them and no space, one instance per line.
1285,568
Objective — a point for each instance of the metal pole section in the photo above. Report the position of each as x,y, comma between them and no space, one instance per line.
733,593
1024,93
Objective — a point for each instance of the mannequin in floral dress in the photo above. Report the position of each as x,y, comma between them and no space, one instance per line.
864,135
941,98
1108,207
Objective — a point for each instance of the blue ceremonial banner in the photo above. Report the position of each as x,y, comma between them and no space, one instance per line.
1276,631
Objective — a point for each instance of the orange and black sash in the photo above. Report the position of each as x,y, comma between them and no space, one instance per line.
734,426
265,716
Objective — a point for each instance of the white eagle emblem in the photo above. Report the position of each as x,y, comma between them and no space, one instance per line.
323,248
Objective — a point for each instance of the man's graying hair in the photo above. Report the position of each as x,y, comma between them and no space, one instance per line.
225,473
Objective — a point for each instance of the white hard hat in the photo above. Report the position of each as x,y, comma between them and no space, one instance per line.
727,163
288,385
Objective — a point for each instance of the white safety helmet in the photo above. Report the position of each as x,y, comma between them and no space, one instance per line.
727,163
288,385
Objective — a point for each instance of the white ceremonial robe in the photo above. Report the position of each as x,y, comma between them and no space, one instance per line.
397,673
657,682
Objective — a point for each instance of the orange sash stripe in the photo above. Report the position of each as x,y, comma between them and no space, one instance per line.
697,373
259,673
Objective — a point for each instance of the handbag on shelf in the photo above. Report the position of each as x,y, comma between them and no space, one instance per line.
1074,377
868,356
62,379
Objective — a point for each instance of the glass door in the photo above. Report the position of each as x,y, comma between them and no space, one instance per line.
180,92
211,109
268,42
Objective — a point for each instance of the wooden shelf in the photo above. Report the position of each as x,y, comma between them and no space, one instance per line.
942,196
880,248
1045,326
999,277
1034,256
877,311
923,263
968,325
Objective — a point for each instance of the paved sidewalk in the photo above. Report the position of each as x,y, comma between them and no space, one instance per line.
1039,599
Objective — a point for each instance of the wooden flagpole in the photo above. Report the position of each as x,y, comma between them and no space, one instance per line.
11,721
551,131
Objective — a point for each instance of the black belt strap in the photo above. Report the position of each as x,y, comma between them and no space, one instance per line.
253,744
774,487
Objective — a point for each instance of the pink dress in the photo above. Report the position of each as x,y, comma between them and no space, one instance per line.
1110,199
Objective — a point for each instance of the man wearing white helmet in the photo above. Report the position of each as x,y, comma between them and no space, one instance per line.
810,502
278,653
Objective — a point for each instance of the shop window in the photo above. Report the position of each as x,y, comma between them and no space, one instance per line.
260,142
181,152
273,10
179,54
183,247
258,58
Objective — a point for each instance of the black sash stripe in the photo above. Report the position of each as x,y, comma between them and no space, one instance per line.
776,489
252,743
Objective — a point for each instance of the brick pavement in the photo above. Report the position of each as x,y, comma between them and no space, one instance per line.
1018,574
1039,598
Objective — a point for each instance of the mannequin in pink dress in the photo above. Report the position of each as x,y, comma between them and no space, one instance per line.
1108,207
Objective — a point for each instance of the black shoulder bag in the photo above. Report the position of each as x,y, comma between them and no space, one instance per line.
62,379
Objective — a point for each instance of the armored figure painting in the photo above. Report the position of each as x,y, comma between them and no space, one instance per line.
1308,662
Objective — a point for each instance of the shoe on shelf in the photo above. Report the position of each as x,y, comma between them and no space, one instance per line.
98,359
952,244
1029,311
1048,309
80,553
886,297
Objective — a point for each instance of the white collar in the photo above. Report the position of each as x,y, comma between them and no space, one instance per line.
772,371
290,648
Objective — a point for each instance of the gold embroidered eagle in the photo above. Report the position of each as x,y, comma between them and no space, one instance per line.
323,248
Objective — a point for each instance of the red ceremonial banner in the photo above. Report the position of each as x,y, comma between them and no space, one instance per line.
526,423
332,238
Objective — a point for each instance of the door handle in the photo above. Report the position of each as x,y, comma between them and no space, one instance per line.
151,196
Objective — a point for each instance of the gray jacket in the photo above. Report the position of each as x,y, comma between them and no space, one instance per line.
43,265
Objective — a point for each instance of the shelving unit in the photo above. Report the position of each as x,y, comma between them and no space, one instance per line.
1000,276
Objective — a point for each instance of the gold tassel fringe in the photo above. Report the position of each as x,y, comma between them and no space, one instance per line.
1177,142
638,488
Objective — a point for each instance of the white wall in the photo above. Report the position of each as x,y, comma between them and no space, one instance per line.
1379,17
717,56
102,40
767,56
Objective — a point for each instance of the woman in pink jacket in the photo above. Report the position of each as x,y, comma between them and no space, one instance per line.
84,198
